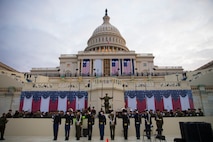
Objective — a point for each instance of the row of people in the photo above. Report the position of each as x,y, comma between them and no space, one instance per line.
90,114
171,113
165,113
77,120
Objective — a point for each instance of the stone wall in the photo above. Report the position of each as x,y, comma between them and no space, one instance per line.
44,127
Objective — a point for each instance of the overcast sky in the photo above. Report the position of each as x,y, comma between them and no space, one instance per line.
34,33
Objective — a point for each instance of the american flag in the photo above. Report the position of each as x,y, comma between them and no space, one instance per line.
115,66
127,66
86,67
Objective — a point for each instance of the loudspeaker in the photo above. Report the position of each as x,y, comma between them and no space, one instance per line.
196,131
205,132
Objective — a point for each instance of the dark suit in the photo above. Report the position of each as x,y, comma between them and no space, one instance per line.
148,123
137,125
102,123
90,123
56,123
3,121
68,122
126,124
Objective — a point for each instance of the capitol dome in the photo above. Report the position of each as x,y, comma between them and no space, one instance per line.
106,38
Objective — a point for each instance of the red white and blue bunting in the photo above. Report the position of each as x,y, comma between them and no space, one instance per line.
47,101
159,99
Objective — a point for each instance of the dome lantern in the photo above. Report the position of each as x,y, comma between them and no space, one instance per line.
106,36
106,18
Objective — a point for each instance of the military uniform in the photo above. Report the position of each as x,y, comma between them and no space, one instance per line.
106,102
3,121
159,123
56,123
126,124
112,123
78,124
102,123
68,122
90,123
148,124
137,124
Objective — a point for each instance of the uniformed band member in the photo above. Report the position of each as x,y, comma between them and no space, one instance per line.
148,123
106,102
56,122
159,123
78,123
112,123
90,124
3,121
102,123
126,123
137,124
68,122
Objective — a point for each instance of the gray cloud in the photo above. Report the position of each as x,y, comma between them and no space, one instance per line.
35,33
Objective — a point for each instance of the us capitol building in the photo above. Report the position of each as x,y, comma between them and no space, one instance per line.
107,66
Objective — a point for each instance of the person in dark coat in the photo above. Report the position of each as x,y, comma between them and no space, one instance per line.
78,124
126,123
102,123
159,123
106,99
148,124
68,124
90,123
9,114
56,122
112,123
137,118
3,121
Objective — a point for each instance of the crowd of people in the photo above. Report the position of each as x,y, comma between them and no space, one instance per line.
76,118
171,113
165,113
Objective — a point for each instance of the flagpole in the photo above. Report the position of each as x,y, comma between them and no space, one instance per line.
79,87
102,88
112,91
90,86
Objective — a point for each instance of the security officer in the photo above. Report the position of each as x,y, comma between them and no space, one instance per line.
137,124
56,122
126,123
68,123
112,123
102,123
78,123
90,123
3,121
148,124
159,123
